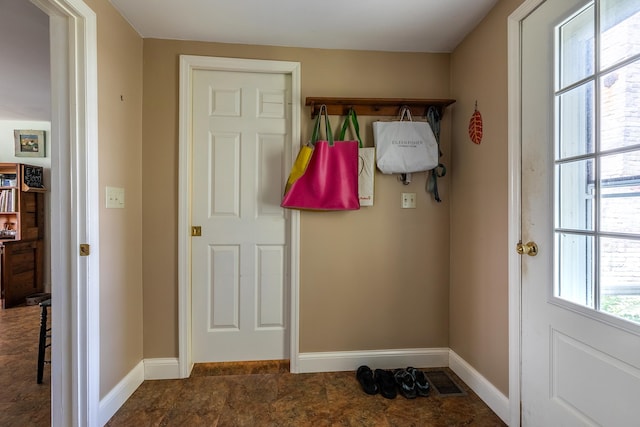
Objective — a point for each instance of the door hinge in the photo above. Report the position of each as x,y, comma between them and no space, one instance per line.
85,249
196,231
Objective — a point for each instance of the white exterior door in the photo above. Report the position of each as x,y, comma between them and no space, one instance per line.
241,134
581,204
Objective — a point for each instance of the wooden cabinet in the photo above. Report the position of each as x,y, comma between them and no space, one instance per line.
21,231
21,271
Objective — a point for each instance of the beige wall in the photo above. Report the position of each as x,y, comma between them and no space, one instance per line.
479,201
120,153
371,279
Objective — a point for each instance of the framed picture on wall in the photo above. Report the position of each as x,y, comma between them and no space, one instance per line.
29,143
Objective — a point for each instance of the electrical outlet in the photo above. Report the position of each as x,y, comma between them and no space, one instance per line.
408,200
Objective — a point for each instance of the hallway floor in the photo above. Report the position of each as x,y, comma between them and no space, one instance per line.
23,402
265,394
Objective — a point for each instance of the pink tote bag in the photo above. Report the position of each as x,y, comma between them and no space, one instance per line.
330,180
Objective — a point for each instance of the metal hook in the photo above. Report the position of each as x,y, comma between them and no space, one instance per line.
405,178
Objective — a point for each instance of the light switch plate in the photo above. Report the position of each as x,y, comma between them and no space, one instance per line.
115,198
408,200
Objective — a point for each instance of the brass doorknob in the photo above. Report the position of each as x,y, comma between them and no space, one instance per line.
529,248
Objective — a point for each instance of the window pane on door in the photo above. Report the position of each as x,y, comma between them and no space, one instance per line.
575,191
574,268
620,106
576,121
620,188
597,164
620,277
576,48
620,31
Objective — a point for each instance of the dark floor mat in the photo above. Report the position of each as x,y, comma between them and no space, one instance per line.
443,383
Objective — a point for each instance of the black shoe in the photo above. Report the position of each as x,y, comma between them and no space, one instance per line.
406,384
386,383
422,385
366,380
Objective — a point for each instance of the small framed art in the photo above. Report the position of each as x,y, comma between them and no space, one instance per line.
29,143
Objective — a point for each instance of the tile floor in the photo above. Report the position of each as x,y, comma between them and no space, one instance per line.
23,402
243,394
258,394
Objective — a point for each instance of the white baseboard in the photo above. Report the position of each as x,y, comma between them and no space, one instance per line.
161,369
110,404
383,359
498,402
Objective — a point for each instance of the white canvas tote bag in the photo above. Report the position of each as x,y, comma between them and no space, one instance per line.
405,146
366,162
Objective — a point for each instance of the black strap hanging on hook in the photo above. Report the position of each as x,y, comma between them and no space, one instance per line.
433,117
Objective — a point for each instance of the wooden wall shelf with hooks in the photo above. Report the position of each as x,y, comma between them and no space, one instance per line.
375,106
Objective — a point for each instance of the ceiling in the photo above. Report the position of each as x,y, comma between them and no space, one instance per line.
382,25
24,62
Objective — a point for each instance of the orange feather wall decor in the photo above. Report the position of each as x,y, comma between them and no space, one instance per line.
475,126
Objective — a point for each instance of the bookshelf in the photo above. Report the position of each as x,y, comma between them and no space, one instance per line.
21,231
21,202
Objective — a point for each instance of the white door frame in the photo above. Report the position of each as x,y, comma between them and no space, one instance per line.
75,372
515,197
188,63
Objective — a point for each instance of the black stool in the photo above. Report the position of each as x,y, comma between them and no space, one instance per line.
44,334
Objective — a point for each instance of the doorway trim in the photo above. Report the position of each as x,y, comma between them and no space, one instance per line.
189,63
514,31
75,354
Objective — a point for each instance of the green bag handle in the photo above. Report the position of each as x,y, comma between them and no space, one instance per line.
354,119
327,127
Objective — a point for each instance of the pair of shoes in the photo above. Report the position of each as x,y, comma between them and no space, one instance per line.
386,383
366,380
411,382
379,381
420,380
406,383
